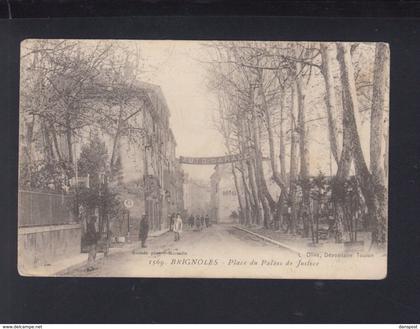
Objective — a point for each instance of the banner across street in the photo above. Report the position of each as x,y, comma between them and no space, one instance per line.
213,160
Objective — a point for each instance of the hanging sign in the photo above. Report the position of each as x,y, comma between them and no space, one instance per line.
128,203
213,160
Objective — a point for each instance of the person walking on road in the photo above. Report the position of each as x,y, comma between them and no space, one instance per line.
191,221
144,230
197,223
171,222
207,220
202,221
92,238
178,227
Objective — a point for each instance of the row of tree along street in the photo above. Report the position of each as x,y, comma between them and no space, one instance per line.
276,101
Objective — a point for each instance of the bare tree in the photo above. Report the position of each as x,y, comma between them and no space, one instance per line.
372,182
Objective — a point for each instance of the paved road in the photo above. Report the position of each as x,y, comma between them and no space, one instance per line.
219,242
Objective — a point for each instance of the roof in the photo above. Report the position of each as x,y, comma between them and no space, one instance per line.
156,90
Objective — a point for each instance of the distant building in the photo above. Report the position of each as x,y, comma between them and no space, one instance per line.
224,202
196,196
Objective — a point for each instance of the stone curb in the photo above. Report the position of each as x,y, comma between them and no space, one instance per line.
297,251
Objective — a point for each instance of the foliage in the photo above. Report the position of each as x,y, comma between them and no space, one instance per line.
45,176
97,197
93,162
68,86
320,188
93,158
347,192
234,214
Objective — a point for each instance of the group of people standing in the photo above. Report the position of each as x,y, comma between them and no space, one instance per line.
175,225
198,222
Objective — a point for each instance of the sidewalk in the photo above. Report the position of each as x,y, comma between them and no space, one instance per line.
275,237
64,265
295,243
302,245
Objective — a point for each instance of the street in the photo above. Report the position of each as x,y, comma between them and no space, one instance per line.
216,245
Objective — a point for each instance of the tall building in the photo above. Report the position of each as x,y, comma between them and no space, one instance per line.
151,167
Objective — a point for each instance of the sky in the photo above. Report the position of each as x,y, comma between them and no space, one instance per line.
175,66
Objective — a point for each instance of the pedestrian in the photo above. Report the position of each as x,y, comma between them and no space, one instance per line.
178,227
144,230
287,221
202,221
171,222
191,221
207,220
197,223
91,239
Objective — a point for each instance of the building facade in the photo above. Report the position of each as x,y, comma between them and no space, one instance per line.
150,167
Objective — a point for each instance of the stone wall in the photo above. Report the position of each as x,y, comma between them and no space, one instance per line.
42,245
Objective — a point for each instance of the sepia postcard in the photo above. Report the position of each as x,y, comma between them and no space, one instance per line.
203,159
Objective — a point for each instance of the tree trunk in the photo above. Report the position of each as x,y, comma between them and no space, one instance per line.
282,157
250,210
267,212
55,141
262,184
116,138
245,143
282,148
293,164
266,199
276,176
69,135
373,193
247,196
47,143
238,192
303,149
330,100
262,189
29,140
380,102
247,208
343,172
254,190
